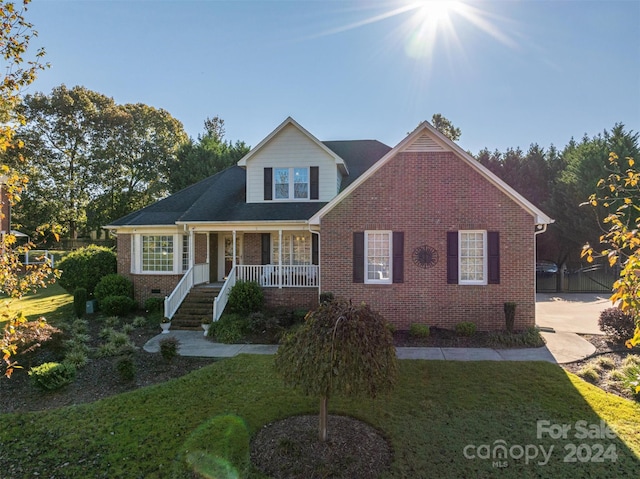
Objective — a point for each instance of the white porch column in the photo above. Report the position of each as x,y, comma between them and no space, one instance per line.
233,261
192,249
280,259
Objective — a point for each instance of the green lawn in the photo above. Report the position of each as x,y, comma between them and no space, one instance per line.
52,302
439,411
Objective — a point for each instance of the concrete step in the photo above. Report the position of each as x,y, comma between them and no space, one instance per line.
197,305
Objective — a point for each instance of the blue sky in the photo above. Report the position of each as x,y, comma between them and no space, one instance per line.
508,73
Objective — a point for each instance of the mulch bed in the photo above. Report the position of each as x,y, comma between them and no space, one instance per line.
96,380
290,449
606,347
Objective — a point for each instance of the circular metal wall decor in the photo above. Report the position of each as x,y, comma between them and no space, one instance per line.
425,256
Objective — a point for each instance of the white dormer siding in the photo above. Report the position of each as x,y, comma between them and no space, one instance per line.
291,148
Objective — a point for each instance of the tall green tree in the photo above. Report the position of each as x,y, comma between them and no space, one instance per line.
444,126
140,142
92,160
585,165
209,154
60,132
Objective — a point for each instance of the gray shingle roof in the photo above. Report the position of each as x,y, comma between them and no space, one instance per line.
221,197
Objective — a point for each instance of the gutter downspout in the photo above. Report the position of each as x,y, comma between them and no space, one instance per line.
540,228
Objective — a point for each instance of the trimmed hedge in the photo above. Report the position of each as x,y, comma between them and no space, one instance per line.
84,267
118,305
113,285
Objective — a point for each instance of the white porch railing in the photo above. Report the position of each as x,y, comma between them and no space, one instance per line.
198,274
223,296
275,276
267,276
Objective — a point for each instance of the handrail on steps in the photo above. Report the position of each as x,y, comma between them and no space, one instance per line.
197,274
223,296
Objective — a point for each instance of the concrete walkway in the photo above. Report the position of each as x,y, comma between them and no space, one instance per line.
559,316
193,343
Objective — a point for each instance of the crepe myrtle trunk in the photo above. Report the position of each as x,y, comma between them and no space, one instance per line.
322,426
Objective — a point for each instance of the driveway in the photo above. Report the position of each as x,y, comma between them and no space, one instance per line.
571,312
561,316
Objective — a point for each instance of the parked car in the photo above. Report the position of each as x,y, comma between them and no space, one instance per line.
546,268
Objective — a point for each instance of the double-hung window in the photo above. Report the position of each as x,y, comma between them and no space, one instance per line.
378,256
473,257
291,183
185,252
157,253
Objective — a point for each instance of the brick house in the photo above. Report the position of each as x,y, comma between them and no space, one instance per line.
422,231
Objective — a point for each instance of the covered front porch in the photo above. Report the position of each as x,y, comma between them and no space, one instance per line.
275,259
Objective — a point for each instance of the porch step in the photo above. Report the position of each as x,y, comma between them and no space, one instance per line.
197,305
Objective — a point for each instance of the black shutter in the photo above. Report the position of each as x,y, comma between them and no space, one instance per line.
268,183
452,257
398,257
358,257
314,175
314,249
266,248
493,249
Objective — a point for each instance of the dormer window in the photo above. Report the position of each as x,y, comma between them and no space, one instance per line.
291,183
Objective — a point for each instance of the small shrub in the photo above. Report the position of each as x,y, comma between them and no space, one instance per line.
77,347
604,362
105,333
79,326
418,330
230,328
326,297
139,322
245,297
616,323
117,305
52,376
509,315
589,373
112,322
299,315
113,285
391,327
79,338
616,375
80,301
84,267
631,360
169,348
127,328
126,367
465,328
119,339
154,305
530,338
76,358
106,350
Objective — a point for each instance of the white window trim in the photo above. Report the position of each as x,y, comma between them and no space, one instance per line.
366,257
275,238
291,183
136,254
485,261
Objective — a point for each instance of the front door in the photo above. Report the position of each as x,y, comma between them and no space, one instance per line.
228,252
